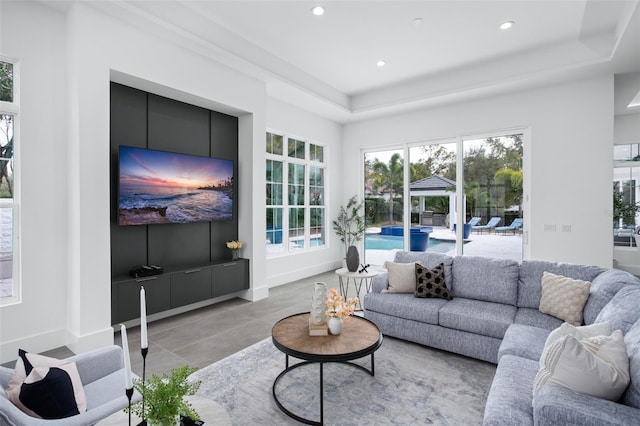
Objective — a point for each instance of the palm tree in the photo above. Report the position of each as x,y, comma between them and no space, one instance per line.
389,178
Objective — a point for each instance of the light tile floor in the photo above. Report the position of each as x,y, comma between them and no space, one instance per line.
203,336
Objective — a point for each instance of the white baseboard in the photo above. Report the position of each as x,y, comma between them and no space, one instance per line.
36,343
88,342
305,272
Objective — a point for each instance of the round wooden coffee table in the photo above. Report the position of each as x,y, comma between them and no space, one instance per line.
359,338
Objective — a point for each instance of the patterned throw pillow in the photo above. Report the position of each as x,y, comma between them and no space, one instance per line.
564,297
431,283
46,387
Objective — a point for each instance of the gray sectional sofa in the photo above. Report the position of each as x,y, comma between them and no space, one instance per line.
494,317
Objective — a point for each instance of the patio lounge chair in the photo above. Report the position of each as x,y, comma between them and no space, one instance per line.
515,226
493,222
474,221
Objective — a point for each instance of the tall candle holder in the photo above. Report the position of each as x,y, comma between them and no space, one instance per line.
144,352
144,347
129,393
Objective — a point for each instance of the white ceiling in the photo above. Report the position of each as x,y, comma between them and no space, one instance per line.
328,64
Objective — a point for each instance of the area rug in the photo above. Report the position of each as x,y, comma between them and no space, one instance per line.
413,385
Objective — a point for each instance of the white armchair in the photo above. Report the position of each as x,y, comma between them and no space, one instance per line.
102,375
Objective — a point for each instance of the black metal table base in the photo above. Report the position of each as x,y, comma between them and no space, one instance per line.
301,364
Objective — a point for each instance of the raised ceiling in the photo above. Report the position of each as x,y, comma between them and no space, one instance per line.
328,63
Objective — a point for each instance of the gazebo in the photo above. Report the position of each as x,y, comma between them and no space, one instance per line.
434,186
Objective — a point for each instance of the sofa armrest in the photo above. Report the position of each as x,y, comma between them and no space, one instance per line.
98,363
556,405
380,282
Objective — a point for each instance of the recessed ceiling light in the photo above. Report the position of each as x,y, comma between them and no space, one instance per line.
506,25
381,63
417,21
317,10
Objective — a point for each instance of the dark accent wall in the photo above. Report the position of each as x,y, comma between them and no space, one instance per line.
145,120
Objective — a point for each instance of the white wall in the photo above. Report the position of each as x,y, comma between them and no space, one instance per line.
65,226
36,36
567,164
296,122
627,129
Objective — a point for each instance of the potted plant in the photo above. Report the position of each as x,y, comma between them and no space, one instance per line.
164,398
350,227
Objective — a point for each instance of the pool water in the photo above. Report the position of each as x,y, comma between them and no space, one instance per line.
394,242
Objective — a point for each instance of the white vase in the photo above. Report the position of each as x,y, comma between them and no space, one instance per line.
335,325
319,304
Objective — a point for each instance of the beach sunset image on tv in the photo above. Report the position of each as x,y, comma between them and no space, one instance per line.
166,187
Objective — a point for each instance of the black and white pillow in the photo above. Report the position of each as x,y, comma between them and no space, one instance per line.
431,283
46,387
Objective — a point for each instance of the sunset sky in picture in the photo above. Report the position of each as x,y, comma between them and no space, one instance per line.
143,167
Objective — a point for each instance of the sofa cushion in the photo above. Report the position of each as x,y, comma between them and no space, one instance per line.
431,283
404,306
631,396
524,341
481,278
603,288
622,310
563,297
535,318
597,366
475,316
530,279
428,259
402,277
509,400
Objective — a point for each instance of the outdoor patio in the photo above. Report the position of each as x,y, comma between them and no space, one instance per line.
501,245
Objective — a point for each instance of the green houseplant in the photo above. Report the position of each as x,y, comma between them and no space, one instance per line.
350,227
164,398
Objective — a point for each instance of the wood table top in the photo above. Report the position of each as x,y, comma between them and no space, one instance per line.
359,337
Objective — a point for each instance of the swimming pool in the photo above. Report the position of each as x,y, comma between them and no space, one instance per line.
395,242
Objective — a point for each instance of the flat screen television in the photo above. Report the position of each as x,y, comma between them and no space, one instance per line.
157,187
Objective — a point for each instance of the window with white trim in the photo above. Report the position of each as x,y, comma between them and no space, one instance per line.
295,194
8,203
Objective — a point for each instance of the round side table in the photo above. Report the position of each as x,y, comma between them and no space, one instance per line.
358,278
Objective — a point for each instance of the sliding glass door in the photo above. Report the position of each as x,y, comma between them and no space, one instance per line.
474,182
432,188
493,196
384,205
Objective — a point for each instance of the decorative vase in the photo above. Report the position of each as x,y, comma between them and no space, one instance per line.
319,303
234,254
353,259
335,325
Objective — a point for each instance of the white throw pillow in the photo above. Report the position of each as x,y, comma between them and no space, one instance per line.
597,366
582,332
402,277
564,297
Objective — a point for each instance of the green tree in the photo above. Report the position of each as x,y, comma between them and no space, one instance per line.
6,155
388,178
6,82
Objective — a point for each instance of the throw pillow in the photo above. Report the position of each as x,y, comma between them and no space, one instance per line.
402,277
564,297
583,332
597,366
46,387
431,282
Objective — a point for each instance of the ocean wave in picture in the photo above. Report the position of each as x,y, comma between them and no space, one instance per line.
175,207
